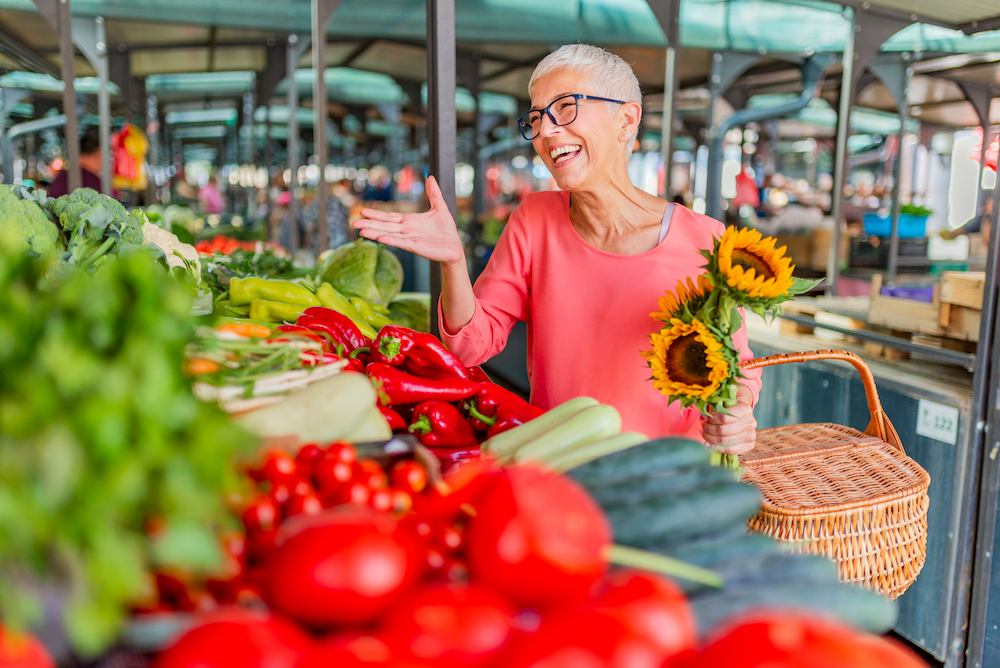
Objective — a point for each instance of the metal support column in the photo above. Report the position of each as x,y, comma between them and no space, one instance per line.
441,122
58,15
297,45
322,10
868,32
88,34
667,14
895,71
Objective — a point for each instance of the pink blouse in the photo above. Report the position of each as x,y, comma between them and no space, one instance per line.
587,311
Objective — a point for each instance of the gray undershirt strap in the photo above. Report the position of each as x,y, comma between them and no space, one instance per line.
665,225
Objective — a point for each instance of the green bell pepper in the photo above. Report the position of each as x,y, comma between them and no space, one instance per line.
243,291
373,314
268,311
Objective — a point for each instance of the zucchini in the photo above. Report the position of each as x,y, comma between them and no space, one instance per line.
655,455
659,483
588,453
770,568
860,608
591,424
677,516
325,411
717,550
504,445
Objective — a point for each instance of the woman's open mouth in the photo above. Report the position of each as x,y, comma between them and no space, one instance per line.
564,153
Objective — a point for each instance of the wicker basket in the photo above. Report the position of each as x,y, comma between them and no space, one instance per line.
832,490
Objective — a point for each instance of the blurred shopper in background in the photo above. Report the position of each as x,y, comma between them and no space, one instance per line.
210,197
90,166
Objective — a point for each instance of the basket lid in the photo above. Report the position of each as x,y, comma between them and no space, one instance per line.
837,479
802,439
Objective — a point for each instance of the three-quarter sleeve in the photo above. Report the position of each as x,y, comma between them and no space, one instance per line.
502,296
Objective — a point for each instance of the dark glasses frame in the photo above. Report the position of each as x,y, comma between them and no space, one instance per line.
525,126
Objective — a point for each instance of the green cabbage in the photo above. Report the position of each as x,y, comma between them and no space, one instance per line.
412,313
364,269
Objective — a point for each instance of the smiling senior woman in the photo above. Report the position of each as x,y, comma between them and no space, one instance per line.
582,266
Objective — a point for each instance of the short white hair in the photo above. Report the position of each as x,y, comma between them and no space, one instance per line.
609,74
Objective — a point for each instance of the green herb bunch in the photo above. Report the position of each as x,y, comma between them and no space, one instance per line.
100,437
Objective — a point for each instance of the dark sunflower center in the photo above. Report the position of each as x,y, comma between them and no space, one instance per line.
748,260
687,361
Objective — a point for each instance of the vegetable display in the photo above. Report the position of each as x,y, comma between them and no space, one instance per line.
365,270
99,436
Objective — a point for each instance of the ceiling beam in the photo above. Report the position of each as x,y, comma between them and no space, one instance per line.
212,34
24,54
356,52
981,25
889,13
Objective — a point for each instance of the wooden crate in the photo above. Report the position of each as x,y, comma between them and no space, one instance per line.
963,288
961,304
904,314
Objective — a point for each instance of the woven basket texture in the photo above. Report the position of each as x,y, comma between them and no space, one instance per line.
835,491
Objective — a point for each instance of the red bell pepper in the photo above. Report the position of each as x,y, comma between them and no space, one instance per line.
418,353
477,374
508,414
486,401
395,420
341,328
397,387
316,358
438,424
452,457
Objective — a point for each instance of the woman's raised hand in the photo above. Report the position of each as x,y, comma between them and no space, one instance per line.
431,234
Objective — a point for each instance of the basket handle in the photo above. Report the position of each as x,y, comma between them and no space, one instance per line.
880,427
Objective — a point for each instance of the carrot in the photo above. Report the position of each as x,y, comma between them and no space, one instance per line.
245,329
200,365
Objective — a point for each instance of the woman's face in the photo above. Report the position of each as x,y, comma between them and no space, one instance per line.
589,149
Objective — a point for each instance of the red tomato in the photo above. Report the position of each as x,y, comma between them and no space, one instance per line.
237,640
460,489
402,502
260,515
789,640
451,626
21,650
381,500
581,639
650,607
303,504
452,457
451,538
538,537
261,544
409,475
307,457
344,566
371,474
280,495
279,468
358,494
342,451
349,651
173,588
332,475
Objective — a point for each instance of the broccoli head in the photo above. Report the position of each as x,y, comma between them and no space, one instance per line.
132,232
87,204
39,235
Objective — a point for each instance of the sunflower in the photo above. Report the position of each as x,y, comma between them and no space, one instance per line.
688,362
690,295
753,265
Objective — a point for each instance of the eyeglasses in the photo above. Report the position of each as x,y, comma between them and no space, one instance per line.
561,111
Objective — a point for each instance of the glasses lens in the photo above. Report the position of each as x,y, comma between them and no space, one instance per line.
564,110
529,124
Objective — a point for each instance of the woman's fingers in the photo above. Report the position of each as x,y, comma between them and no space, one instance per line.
434,195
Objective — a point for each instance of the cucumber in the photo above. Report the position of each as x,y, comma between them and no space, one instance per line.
707,553
860,608
591,424
655,455
588,453
677,516
504,445
659,483
773,568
